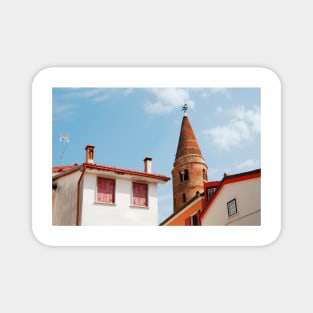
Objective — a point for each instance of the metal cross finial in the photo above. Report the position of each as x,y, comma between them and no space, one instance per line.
185,108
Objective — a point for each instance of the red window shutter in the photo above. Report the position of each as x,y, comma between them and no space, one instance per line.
106,190
100,190
140,194
187,221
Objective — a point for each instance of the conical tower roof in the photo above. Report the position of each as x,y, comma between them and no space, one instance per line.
187,143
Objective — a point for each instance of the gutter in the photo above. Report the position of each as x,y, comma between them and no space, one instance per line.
78,195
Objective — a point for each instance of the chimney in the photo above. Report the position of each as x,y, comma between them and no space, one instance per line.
148,165
89,153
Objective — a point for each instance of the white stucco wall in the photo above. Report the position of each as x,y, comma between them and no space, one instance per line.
248,198
65,201
121,213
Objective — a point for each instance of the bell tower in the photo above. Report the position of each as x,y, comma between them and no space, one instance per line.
189,171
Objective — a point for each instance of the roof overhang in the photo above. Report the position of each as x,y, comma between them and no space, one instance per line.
115,172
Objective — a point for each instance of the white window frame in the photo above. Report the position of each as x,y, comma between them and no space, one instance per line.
231,205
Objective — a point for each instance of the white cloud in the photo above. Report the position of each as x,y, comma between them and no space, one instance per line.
128,91
205,92
248,164
252,116
167,100
219,109
225,136
96,95
92,94
218,90
63,111
243,126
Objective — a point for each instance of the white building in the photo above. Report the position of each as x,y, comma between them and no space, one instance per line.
93,194
236,201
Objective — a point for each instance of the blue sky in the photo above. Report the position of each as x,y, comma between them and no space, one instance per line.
128,124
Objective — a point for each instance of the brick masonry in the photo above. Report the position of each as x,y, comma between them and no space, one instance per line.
188,158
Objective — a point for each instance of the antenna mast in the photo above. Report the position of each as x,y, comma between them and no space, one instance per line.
65,138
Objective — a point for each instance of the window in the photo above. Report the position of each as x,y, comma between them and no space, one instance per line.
184,175
205,175
105,190
140,195
210,192
184,197
193,220
232,207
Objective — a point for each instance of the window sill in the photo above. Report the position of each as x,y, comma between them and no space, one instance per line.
105,203
138,207
236,214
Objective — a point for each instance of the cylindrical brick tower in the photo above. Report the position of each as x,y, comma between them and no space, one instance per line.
190,171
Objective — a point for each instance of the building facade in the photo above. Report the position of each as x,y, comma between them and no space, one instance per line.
236,201
94,194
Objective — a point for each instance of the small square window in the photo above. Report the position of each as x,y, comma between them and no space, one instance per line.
232,207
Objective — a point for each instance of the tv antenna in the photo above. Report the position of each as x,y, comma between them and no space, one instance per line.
65,139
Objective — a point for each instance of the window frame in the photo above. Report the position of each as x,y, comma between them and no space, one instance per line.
99,178
204,174
147,195
210,192
229,209
193,220
184,175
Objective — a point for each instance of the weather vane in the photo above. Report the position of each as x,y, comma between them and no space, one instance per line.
185,108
